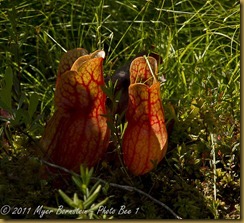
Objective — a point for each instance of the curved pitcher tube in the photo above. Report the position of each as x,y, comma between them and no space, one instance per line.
77,133
145,138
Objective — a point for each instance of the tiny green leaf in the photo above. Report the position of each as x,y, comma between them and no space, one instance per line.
91,199
67,199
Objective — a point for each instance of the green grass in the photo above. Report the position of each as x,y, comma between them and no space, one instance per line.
200,45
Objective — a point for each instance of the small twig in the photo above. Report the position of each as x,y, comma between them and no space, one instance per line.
129,188
124,187
59,167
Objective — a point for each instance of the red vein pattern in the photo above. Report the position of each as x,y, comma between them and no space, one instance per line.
78,133
145,138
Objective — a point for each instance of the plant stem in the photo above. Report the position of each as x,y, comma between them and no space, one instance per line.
214,166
